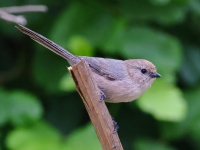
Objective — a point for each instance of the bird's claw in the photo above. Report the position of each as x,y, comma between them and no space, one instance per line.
116,126
102,95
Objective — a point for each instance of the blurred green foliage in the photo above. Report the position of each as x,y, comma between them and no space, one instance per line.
39,107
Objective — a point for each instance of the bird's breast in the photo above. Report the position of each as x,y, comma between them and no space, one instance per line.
118,90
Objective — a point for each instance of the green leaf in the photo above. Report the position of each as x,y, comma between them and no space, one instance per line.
142,10
19,108
194,7
160,2
37,137
79,45
93,25
86,138
149,144
4,107
25,108
193,119
67,83
164,101
113,43
190,70
190,125
48,69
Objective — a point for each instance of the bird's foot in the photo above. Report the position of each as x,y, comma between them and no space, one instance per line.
102,95
116,126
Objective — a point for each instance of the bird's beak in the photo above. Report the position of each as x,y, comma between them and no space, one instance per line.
155,75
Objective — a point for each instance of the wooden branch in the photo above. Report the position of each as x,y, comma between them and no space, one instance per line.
26,8
96,109
5,13
12,18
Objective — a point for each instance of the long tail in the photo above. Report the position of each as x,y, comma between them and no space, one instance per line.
50,45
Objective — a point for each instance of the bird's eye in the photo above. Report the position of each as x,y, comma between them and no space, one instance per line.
143,71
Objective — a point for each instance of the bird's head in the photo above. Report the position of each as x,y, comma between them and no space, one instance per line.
142,72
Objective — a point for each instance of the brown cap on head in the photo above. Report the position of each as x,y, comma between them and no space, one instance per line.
145,66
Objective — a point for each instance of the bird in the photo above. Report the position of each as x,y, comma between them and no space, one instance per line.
117,80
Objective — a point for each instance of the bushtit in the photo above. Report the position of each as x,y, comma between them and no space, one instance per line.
118,80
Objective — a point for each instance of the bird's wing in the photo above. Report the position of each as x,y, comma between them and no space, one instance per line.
111,69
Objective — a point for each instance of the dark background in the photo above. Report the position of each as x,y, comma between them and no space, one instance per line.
39,107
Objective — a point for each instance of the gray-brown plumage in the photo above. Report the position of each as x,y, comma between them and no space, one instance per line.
120,81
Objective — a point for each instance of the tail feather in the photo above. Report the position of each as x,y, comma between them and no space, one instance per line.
72,59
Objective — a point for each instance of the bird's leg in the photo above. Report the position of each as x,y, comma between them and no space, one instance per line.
102,95
116,126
